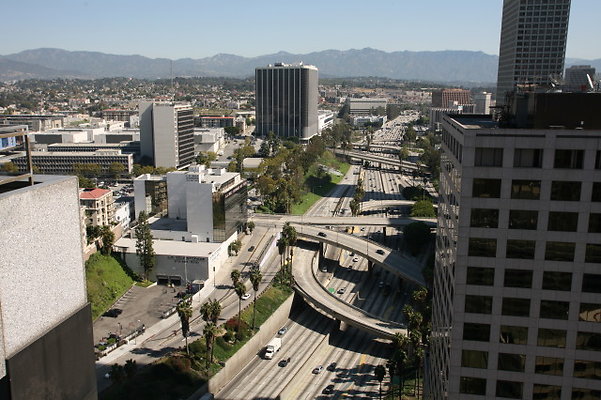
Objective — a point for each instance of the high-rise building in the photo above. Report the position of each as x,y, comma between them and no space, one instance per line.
445,98
533,43
286,100
517,279
482,101
579,78
167,134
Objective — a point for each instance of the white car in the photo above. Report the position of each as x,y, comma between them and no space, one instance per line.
355,259
245,296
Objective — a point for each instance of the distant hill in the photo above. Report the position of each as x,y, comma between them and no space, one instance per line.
438,66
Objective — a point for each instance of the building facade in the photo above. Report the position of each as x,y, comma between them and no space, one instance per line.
34,122
286,100
483,102
167,134
517,281
447,97
533,44
66,163
579,78
99,206
365,105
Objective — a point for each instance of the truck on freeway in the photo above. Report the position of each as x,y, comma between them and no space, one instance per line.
272,347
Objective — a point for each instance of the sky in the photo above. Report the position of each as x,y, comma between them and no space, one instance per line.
202,28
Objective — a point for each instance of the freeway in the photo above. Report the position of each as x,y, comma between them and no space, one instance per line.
279,220
379,159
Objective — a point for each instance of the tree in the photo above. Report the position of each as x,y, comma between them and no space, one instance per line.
265,149
108,238
354,206
211,311
380,372
210,332
130,367
144,247
235,275
410,134
251,226
255,279
9,167
206,158
423,208
184,310
240,290
416,234
117,373
232,130
281,243
116,170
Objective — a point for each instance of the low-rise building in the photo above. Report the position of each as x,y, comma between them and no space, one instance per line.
208,139
365,105
214,122
65,163
34,122
99,206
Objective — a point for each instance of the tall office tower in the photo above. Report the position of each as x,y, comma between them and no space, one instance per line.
580,78
167,133
448,97
517,279
482,101
286,100
533,43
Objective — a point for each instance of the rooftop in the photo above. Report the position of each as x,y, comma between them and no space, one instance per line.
172,247
93,193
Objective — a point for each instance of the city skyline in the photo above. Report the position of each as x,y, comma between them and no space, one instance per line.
474,25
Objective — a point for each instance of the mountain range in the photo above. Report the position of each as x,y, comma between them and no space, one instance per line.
435,66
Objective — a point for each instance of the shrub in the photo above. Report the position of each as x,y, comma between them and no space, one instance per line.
423,208
415,193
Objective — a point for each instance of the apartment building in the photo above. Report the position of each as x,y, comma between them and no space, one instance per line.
99,206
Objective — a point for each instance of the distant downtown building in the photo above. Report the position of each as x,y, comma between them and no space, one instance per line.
167,134
533,43
365,105
286,100
516,308
445,98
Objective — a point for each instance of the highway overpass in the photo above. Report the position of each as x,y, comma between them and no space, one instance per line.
279,220
394,162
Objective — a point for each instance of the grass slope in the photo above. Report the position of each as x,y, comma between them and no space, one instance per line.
106,280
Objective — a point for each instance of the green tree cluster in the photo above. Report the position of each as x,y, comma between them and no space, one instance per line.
144,246
206,158
423,208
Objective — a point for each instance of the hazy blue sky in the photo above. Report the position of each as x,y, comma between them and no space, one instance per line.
201,28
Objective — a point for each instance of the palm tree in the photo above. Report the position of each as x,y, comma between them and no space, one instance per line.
281,243
210,332
235,275
240,290
210,311
255,279
185,313
380,372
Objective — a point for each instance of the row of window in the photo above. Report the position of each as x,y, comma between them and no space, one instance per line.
514,390
590,341
518,307
530,189
584,369
561,221
525,249
532,158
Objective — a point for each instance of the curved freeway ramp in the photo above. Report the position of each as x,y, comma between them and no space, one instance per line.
304,267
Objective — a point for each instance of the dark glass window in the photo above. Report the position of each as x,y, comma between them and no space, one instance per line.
563,221
509,389
588,341
593,253
565,191
513,334
469,385
512,362
549,366
490,188
478,304
598,160
474,359
553,280
568,159
523,219
480,247
587,369
484,218
480,276
596,195
590,312
551,338
488,157
477,332
516,307
528,158
585,394
546,392
521,278
591,283
560,251
520,249
529,190
554,309
594,223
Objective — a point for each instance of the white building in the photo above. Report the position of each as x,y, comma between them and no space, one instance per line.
325,119
209,139
365,105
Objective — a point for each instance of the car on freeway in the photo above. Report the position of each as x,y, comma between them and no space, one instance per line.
318,369
245,296
322,234
355,259
113,313
251,248
332,367
341,290
362,229
328,389
380,251
284,361
381,284
282,331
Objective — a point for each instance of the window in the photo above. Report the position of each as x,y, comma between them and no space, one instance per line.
594,223
560,251
587,369
523,219
563,221
484,218
516,307
588,341
512,362
488,157
565,191
591,283
585,394
554,309
523,249
546,392
509,389
477,332
480,247
589,312
553,280
513,334
568,159
529,190
474,359
478,304
480,276
593,253
551,338
548,366
598,160
469,385
488,188
528,158
596,195
521,278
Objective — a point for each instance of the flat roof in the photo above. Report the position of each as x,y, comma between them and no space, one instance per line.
173,247
168,224
475,121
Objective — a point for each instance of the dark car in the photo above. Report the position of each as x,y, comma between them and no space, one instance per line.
113,313
332,367
328,389
380,251
322,234
251,248
284,361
